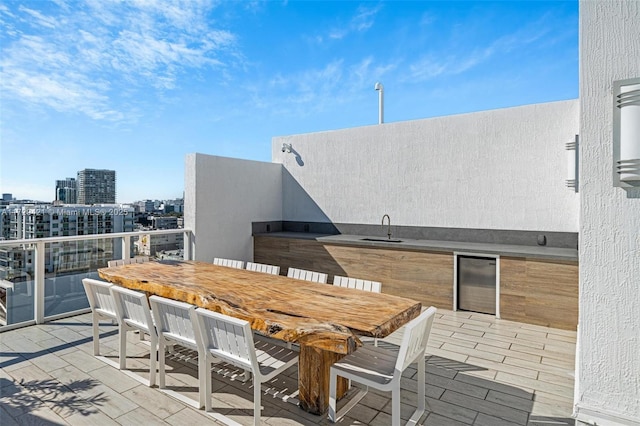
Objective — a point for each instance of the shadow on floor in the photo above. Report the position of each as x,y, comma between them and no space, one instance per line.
19,398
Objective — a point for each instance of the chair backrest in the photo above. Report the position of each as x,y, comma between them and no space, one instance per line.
228,338
120,262
357,283
238,264
133,308
414,340
100,298
261,267
301,274
174,320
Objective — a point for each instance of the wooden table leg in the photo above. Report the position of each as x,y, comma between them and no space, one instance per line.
313,379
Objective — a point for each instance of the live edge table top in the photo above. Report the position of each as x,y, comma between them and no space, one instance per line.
316,315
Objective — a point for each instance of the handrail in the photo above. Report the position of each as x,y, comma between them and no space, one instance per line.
92,236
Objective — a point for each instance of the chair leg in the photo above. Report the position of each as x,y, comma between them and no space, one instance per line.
123,347
420,403
161,362
202,369
207,381
421,385
332,396
153,360
375,341
395,405
96,335
256,401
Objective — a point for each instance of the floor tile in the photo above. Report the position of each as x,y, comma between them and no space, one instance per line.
480,371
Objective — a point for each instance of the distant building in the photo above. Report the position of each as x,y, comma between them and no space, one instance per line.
5,200
45,220
173,206
149,206
164,222
96,186
41,221
67,191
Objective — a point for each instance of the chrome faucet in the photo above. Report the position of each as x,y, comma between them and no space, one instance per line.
389,226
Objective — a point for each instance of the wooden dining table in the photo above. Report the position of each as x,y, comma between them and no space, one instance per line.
325,320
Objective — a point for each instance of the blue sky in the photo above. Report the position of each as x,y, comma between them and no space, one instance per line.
134,86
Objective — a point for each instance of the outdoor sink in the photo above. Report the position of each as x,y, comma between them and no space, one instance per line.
382,240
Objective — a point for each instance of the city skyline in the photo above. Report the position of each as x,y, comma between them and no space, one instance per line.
134,87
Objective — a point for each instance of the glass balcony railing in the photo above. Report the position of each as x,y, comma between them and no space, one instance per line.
16,283
41,279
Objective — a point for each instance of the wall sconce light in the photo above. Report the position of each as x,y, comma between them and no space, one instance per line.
286,147
572,164
626,132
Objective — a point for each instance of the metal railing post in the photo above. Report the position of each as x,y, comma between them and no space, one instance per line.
188,245
38,283
126,247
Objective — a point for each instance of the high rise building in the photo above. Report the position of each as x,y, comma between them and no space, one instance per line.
67,191
96,186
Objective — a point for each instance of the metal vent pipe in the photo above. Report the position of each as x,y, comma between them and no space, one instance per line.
380,88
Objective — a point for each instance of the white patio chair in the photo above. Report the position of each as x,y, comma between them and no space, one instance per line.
102,307
232,340
382,369
134,314
174,323
120,262
358,284
238,264
261,267
301,274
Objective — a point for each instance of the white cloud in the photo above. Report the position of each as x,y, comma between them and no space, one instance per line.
367,72
62,56
365,18
433,65
319,89
39,18
361,21
427,19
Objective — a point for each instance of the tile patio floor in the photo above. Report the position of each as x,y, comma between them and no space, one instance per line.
480,371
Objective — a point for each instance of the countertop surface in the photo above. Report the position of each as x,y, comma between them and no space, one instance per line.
542,252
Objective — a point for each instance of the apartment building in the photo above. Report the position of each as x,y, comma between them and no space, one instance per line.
96,186
21,222
67,191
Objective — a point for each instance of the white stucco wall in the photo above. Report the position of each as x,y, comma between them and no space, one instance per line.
501,169
608,359
222,197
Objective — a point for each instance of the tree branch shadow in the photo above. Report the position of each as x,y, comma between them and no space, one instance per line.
20,397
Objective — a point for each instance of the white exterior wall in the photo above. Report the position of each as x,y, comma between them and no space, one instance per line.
608,359
501,169
228,194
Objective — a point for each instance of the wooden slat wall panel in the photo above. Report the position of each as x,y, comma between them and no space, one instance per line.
425,277
534,291
542,292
